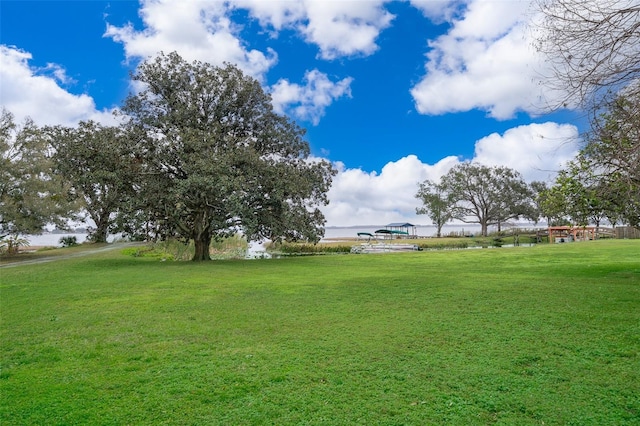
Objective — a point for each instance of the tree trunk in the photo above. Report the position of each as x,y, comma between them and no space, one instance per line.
202,243
484,228
101,232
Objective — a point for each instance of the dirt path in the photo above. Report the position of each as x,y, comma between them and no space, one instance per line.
112,246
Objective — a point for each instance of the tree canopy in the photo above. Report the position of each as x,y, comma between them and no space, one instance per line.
218,160
593,48
603,181
486,195
30,195
98,164
436,203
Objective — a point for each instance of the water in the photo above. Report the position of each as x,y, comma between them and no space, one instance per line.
53,240
422,231
256,250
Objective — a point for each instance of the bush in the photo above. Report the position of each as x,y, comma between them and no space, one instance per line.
444,245
68,241
11,244
302,249
154,251
173,249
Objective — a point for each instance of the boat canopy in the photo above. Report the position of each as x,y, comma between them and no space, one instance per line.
365,234
391,232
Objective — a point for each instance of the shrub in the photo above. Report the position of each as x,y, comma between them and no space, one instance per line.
444,245
11,244
68,241
174,249
302,249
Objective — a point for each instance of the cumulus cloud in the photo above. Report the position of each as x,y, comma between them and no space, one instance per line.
437,11
205,31
38,93
537,151
198,30
358,197
338,28
485,62
274,14
308,102
344,28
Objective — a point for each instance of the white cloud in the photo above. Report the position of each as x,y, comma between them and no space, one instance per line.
339,28
537,151
201,30
277,14
308,102
486,62
197,30
437,11
358,197
344,28
204,31
37,93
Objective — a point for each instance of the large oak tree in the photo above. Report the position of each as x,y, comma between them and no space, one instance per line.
487,195
97,161
31,196
218,160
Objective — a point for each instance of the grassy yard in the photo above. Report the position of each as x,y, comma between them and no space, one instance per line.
524,336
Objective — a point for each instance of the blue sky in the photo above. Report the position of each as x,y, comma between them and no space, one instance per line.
391,92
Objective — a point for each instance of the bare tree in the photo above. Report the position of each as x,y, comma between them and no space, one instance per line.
592,47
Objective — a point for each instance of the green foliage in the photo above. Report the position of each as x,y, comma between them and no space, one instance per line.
603,181
30,194
99,166
612,160
436,203
442,245
298,248
68,241
216,158
234,247
150,251
486,195
234,242
519,336
170,249
11,244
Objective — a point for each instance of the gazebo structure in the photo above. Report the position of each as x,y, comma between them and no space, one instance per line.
406,230
562,234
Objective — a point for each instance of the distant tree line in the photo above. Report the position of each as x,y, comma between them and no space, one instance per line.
593,49
200,155
601,183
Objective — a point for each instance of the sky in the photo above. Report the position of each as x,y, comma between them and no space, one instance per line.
390,92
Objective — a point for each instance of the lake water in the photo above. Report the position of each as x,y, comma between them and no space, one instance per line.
421,231
53,240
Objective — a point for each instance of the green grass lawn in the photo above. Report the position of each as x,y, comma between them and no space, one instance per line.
524,336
